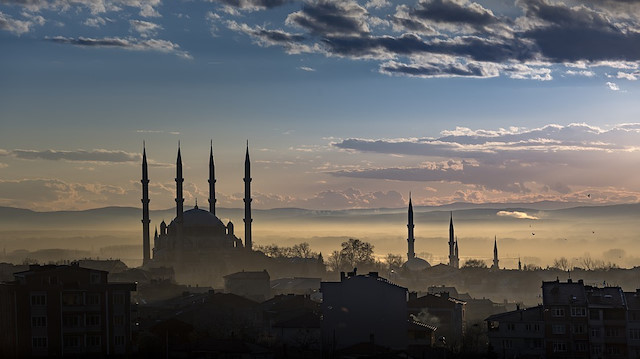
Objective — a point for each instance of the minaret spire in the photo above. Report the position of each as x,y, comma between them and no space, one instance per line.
495,253
212,182
410,238
452,243
179,182
247,200
146,251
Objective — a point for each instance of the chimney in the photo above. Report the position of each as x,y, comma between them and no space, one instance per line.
373,274
342,276
569,281
414,295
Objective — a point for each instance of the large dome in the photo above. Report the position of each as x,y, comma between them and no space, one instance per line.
416,264
200,218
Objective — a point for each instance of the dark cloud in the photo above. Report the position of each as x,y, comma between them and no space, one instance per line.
437,70
446,11
78,155
123,43
326,18
255,4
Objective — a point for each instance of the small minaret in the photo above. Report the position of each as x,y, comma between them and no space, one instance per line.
247,201
179,181
452,243
457,263
495,253
519,264
146,250
212,182
410,239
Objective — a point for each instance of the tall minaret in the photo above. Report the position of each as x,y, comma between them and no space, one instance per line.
212,182
457,263
495,253
247,200
452,243
179,181
410,239
146,254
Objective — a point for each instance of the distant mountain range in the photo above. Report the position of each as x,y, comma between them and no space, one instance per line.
128,218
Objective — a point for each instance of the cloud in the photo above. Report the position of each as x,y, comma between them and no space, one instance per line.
377,4
516,214
306,68
253,4
78,155
292,43
96,22
328,17
17,27
123,43
147,8
613,87
550,159
145,28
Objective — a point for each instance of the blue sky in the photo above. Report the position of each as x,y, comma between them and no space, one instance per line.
320,89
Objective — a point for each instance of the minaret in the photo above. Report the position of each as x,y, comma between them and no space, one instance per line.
247,200
212,182
519,264
452,243
146,250
457,263
179,198
410,239
495,254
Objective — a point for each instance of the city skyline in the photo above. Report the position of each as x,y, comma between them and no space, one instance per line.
345,104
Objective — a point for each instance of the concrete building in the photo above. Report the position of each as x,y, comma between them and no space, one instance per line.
64,310
441,311
363,309
518,334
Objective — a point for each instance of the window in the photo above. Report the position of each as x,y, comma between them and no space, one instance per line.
612,332
634,334
71,341
595,332
596,349
558,329
93,299
613,350
507,344
536,327
72,298
118,320
557,312
38,299
119,340
71,321
118,298
581,346
39,342
538,343
93,320
578,312
93,340
511,327
559,347
38,321
578,329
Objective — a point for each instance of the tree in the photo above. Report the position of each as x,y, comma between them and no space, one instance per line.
561,263
474,263
354,253
393,261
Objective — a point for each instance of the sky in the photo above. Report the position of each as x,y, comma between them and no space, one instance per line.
345,104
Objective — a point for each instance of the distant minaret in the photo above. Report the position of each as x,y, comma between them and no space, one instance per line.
247,200
146,250
212,183
495,254
155,242
519,264
410,239
457,264
179,181
452,243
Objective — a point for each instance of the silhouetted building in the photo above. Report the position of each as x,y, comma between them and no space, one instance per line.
633,323
445,313
363,309
454,259
253,285
518,334
495,255
64,310
413,263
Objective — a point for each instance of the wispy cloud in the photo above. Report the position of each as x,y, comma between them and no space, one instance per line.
123,43
613,86
77,155
516,214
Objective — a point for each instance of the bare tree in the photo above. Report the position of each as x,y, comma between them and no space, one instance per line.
474,263
562,263
393,261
